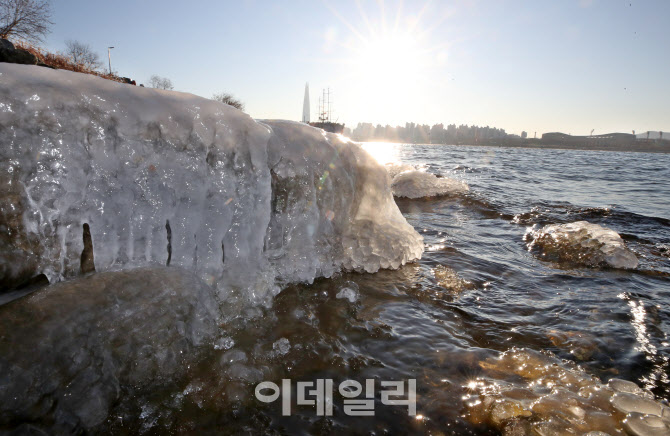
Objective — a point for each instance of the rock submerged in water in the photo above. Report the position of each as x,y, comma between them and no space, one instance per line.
554,397
581,244
72,351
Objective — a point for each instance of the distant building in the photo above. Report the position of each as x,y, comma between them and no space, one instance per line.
609,139
653,135
305,105
524,135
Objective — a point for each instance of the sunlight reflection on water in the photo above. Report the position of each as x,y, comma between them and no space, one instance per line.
383,152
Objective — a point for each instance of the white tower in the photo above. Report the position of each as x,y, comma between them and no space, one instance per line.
305,105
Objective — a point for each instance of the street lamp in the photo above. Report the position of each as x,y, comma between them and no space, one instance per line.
109,56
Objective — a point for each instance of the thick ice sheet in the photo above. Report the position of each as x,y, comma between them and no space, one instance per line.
249,205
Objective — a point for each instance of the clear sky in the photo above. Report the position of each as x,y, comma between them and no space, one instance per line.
534,65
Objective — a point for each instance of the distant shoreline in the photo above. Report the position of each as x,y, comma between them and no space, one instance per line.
646,148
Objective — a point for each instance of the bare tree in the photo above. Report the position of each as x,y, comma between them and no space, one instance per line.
228,99
25,19
160,82
82,54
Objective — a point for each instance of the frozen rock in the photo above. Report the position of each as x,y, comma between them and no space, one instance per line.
69,350
505,410
581,243
627,403
450,280
580,344
395,169
639,424
332,208
281,347
627,386
349,292
421,184
552,428
233,356
238,371
224,343
562,398
166,177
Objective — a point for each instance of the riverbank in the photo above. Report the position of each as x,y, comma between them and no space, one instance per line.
642,148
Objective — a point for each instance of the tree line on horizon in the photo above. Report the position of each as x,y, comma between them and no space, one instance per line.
424,133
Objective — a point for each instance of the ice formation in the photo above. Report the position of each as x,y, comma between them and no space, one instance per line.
349,292
397,168
167,177
558,398
449,279
581,243
408,182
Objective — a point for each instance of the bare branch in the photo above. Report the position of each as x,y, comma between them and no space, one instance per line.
82,55
28,20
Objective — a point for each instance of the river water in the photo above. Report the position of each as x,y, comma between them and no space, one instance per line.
496,339
479,318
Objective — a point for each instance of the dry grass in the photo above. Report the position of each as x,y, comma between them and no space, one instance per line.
62,62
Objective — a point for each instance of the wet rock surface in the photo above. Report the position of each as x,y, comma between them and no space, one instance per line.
559,398
73,351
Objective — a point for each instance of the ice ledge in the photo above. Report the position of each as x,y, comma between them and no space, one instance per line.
246,204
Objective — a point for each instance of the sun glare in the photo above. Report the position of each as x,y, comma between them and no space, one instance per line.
383,152
388,62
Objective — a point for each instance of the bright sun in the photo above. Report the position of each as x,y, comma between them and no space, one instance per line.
389,63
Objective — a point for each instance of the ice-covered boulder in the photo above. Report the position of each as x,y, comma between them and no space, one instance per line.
168,177
396,168
582,244
558,397
332,207
71,351
421,184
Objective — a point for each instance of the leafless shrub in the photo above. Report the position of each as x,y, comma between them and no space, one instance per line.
228,99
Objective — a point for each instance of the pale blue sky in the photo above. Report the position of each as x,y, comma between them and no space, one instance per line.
532,65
